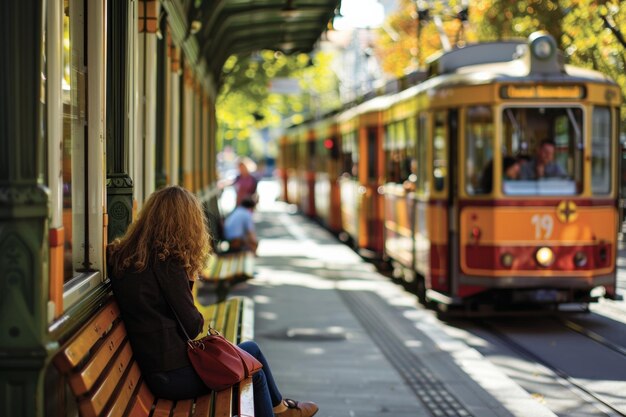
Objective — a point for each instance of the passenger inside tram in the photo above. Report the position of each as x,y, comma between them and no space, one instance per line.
152,269
511,168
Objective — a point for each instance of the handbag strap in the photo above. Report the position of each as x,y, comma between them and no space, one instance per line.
180,323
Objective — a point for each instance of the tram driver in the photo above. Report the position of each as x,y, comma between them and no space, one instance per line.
543,164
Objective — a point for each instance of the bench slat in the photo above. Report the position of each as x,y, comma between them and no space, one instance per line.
246,398
208,312
125,396
183,408
220,318
248,269
246,330
83,381
228,273
143,402
203,406
232,321
217,274
163,408
87,337
211,266
223,403
95,403
226,267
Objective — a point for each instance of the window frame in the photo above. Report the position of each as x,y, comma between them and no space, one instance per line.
480,171
543,189
609,148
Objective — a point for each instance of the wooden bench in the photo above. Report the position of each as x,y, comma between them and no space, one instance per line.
104,377
228,269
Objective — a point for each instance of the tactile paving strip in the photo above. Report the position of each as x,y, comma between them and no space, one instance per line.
379,325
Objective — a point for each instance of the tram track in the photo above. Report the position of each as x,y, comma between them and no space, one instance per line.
574,384
593,336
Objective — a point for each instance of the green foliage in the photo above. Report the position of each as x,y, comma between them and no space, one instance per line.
245,104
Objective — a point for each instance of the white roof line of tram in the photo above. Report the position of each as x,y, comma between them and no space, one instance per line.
475,75
373,105
485,73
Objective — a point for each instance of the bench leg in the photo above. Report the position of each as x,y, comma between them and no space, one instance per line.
222,290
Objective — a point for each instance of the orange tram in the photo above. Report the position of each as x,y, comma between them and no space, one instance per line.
490,181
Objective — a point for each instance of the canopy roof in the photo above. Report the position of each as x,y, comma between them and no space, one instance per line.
225,27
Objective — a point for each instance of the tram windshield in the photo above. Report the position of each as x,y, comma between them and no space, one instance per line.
542,150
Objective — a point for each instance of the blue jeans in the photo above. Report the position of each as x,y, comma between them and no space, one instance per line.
184,383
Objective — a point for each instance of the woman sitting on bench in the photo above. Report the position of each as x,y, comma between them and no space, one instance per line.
152,267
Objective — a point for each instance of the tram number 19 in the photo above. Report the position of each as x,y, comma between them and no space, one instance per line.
544,224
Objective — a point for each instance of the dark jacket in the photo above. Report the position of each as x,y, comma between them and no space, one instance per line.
156,338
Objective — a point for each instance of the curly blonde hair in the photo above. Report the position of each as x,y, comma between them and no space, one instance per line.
171,224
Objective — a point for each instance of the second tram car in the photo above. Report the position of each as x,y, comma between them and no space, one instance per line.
494,181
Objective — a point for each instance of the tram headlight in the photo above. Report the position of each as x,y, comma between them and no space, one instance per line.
506,259
544,256
580,259
542,46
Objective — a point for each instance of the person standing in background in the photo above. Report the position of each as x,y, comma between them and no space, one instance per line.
245,184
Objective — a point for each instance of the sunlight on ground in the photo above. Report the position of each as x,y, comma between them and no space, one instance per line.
315,351
267,315
262,299
274,277
413,343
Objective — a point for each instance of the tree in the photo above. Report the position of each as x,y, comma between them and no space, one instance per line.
577,26
403,32
245,104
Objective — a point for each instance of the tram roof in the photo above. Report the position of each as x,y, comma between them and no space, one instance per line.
515,69
227,27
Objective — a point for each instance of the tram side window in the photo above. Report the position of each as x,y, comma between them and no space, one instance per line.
422,153
479,150
323,155
440,152
405,150
601,151
548,144
396,152
372,154
349,162
409,166
391,154
311,154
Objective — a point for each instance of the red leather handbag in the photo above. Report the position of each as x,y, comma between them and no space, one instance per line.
220,363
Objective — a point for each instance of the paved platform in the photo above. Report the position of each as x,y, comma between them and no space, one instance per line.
338,333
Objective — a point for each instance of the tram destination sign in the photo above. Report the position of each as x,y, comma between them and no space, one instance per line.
542,91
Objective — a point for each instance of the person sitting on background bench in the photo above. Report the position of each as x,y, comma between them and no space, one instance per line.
152,268
239,228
